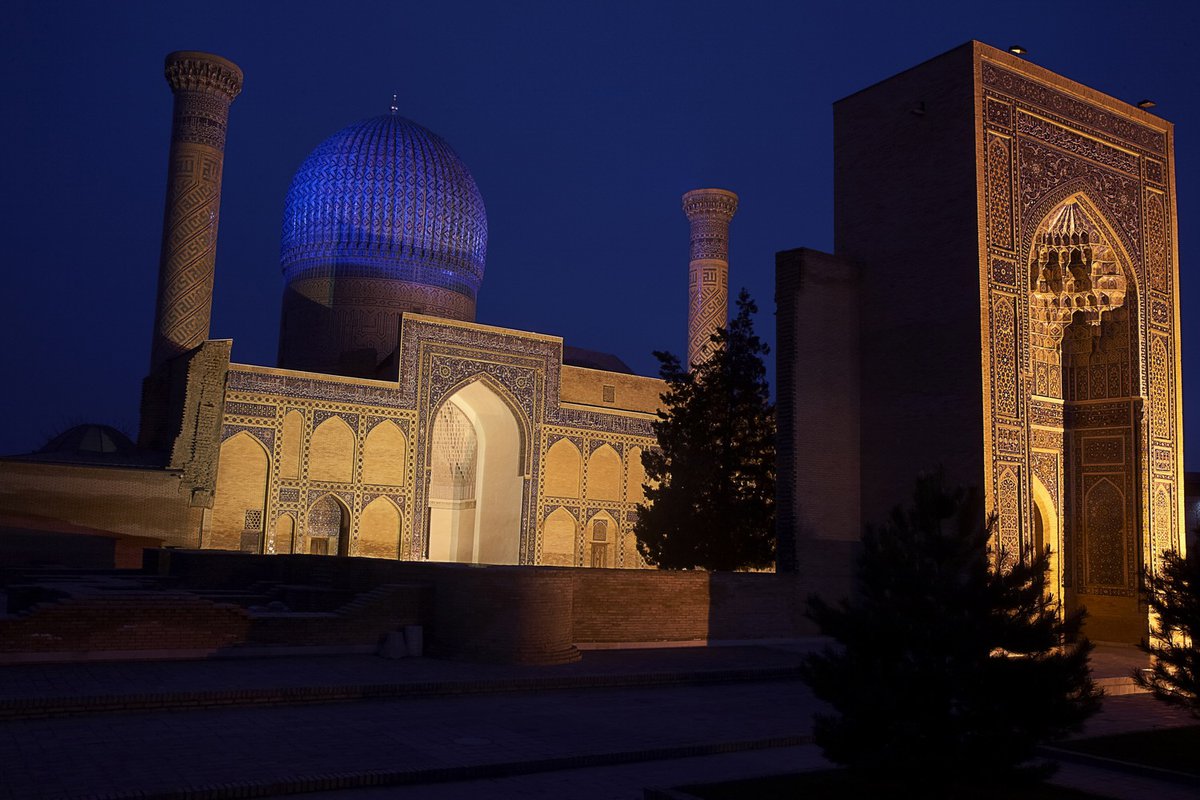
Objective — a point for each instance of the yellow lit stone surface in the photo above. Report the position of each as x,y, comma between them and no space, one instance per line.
291,444
379,530
384,455
140,502
604,474
564,469
633,559
558,539
331,452
284,537
599,548
635,476
241,488
630,392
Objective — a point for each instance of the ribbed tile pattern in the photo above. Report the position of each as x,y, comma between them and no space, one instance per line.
385,198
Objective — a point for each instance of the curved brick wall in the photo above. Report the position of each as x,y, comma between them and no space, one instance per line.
509,614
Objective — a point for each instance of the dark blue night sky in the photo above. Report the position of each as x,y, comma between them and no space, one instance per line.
582,123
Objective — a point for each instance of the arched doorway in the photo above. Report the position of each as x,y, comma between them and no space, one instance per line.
328,530
475,479
1046,533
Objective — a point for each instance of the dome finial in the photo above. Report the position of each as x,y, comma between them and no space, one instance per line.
395,107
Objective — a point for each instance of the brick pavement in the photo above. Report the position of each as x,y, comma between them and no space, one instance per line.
1137,712
57,689
579,742
613,782
134,677
1119,785
157,752
627,781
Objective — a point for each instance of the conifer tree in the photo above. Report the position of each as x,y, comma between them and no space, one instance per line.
1174,598
953,662
710,491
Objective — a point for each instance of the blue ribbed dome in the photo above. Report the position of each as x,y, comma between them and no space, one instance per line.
385,198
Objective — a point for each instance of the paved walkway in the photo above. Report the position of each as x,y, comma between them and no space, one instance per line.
413,739
76,687
661,717
617,782
101,678
59,689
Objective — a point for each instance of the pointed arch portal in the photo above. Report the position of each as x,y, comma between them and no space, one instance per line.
1084,361
476,482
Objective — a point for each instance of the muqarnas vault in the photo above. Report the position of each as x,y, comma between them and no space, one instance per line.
1002,302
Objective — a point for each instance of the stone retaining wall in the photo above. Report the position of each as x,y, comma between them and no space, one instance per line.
510,614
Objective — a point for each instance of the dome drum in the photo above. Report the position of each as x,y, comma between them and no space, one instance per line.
351,325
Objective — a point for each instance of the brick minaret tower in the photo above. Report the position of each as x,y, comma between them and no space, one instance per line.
709,211
204,86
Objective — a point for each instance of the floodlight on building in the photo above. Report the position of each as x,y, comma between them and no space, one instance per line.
1017,50
1147,104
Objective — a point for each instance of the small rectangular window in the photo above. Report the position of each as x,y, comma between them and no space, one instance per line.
610,394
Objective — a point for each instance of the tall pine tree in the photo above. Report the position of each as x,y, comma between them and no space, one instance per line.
1174,598
952,664
710,492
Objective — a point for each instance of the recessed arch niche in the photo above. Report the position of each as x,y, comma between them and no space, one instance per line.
328,528
558,538
239,504
379,530
1083,323
476,481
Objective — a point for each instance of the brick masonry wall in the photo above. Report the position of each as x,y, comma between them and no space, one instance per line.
487,613
45,543
492,613
19,547
629,392
124,621
604,605
140,502
817,321
175,624
905,211
509,614
365,620
615,606
660,606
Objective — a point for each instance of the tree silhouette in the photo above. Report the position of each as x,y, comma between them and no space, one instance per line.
710,491
953,662
1174,599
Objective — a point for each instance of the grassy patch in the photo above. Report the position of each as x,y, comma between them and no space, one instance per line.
836,784
1166,748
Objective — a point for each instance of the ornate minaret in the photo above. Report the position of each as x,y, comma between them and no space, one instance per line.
709,211
204,86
